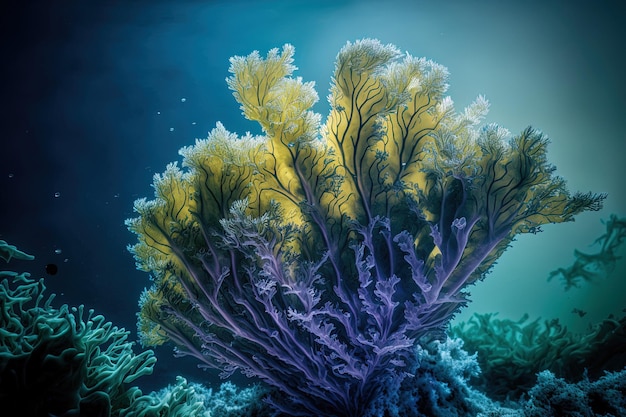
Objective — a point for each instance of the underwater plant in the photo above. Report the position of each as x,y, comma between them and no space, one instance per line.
512,353
8,252
61,361
314,257
591,267
438,386
188,399
553,396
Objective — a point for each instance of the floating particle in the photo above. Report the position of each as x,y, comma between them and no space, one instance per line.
58,251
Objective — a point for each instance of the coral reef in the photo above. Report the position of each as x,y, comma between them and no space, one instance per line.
591,267
437,386
186,399
56,362
512,353
61,361
8,252
555,397
314,258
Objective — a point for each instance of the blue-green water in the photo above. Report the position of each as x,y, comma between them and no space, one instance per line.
98,97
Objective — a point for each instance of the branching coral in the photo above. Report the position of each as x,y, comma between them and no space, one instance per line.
315,257
7,252
61,362
512,353
185,399
591,267
438,387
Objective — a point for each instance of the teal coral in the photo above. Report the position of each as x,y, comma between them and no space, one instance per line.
180,399
592,267
62,361
68,362
9,251
511,353
187,399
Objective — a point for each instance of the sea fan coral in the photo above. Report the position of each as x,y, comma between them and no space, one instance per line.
314,257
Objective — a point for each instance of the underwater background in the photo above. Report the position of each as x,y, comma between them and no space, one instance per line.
99,96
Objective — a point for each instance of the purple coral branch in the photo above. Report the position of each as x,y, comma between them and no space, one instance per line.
451,255
356,342
340,354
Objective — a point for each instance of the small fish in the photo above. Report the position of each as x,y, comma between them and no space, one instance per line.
580,312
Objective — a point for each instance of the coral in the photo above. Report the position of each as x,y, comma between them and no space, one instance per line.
9,251
511,353
555,397
180,399
185,399
61,362
437,386
230,401
591,267
314,258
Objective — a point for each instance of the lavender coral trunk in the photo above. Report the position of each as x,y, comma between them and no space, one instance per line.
315,257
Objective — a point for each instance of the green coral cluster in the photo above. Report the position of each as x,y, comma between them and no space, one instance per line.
186,399
8,252
512,353
62,361
590,267
68,362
